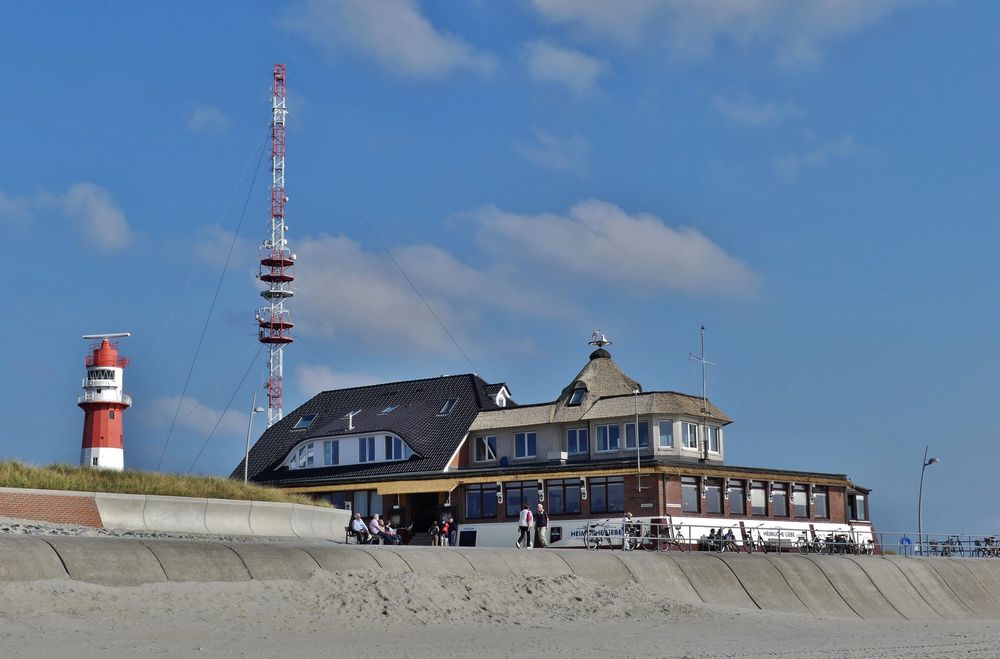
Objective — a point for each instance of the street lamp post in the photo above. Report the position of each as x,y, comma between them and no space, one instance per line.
246,456
920,500
638,455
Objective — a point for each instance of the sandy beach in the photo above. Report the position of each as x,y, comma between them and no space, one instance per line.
366,614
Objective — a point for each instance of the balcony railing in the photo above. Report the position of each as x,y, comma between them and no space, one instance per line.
104,397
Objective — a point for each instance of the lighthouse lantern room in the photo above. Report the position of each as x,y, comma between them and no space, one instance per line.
103,402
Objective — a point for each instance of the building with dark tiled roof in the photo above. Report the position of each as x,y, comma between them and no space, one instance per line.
456,445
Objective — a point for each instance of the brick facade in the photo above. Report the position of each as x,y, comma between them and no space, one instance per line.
54,508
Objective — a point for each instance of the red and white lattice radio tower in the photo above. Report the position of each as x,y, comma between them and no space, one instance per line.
276,260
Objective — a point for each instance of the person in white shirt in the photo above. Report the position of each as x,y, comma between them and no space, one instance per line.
524,527
358,529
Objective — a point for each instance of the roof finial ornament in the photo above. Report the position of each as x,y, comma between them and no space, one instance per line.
598,339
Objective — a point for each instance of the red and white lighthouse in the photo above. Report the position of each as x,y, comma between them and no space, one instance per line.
103,402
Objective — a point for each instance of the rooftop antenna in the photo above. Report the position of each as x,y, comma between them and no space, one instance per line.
598,339
704,392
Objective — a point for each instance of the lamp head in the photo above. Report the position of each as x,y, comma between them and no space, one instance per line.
258,410
933,461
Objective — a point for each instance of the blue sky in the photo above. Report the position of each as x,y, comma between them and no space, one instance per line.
812,181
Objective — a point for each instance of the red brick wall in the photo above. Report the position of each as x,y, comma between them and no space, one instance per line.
54,508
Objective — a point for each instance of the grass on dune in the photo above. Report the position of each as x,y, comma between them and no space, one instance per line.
80,479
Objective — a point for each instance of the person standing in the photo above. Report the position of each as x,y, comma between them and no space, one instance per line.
445,533
435,533
524,527
541,527
452,532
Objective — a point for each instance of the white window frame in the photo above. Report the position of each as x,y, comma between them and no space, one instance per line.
607,438
366,456
489,451
523,436
586,443
636,432
714,434
686,435
659,430
328,449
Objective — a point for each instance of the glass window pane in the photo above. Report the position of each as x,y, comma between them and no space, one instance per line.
758,499
820,509
666,434
713,495
690,498
779,500
572,495
554,497
737,502
800,501
616,494
614,437
473,503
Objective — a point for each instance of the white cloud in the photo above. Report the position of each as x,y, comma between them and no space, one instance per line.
561,154
207,119
790,165
311,378
194,416
213,245
795,32
527,268
603,243
98,217
392,32
547,62
344,291
751,112
99,221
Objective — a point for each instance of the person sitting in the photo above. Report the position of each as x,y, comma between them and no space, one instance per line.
710,542
391,536
374,529
383,533
359,529
730,540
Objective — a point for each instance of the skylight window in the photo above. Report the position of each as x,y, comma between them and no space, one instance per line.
304,422
388,409
577,396
448,406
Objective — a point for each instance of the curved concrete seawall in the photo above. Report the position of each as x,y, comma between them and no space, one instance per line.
138,512
865,587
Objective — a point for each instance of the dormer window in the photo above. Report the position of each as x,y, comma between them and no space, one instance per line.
448,406
577,397
304,422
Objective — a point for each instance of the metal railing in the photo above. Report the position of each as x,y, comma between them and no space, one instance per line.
652,536
963,545
94,397
848,539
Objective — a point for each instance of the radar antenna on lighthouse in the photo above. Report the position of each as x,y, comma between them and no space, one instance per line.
276,260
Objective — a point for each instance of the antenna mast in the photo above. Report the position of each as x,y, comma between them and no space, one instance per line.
276,260
704,391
